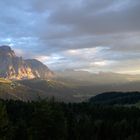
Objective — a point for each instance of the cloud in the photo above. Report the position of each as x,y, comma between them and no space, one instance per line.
74,34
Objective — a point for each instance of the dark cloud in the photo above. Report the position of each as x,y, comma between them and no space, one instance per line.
67,33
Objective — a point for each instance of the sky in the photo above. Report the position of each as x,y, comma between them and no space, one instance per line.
92,35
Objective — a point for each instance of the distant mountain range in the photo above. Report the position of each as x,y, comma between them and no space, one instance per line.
16,68
101,78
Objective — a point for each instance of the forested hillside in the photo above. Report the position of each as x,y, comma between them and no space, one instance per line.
113,98
50,120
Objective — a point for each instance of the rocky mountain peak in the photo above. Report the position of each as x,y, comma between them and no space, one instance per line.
13,67
5,48
6,51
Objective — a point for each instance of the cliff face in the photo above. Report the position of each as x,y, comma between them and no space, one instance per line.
39,69
13,67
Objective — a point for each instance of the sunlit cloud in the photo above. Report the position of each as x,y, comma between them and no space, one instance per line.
99,63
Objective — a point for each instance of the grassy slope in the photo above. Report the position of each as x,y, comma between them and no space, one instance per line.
17,91
33,89
60,90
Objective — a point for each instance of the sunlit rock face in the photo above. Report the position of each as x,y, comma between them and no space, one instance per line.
39,69
13,67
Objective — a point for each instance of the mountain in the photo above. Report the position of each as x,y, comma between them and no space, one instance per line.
13,67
